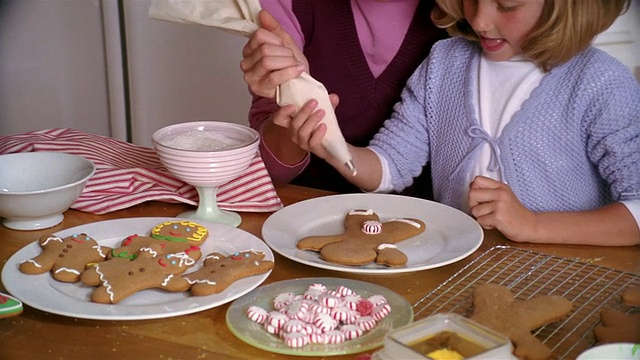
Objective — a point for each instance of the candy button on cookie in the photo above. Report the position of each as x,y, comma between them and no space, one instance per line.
9,306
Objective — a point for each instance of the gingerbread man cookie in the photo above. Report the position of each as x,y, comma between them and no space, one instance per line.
495,307
617,326
66,258
181,231
631,296
365,240
118,278
218,271
168,237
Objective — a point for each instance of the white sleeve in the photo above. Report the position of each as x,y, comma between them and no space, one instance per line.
385,183
634,208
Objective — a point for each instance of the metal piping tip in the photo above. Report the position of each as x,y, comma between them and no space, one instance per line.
350,166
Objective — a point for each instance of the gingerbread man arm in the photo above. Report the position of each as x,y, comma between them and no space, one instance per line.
175,283
402,229
318,242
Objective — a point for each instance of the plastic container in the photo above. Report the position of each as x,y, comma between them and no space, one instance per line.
444,336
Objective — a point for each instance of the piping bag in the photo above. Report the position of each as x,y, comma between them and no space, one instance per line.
240,17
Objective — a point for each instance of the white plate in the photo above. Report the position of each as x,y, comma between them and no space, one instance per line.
73,299
613,351
450,235
254,334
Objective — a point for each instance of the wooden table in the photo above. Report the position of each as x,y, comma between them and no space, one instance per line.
204,335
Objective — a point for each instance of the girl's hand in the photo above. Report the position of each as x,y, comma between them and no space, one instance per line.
304,126
271,57
495,206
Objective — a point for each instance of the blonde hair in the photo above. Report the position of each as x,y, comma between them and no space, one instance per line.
565,28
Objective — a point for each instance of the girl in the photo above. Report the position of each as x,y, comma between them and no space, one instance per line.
526,126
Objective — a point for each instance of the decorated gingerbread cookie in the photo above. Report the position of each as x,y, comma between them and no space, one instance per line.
366,239
219,271
119,278
9,306
495,307
66,258
616,326
166,238
181,231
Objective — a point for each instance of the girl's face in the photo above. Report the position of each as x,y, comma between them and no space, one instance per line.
502,25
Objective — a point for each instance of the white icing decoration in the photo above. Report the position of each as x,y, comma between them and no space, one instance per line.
361,212
184,259
386,246
149,250
68,270
105,283
201,281
99,250
52,238
35,263
167,279
407,221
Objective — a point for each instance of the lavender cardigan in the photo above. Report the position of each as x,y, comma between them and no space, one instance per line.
573,145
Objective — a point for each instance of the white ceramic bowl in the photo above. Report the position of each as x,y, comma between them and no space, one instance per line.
37,187
206,153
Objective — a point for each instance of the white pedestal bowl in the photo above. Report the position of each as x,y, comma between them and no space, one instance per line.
207,154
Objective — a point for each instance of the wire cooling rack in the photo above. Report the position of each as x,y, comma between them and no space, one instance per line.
591,288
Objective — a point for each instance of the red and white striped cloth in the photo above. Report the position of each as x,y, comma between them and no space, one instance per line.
129,174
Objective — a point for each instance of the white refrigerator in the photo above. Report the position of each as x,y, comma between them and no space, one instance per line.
103,66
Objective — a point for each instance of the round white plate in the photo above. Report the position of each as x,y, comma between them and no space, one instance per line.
73,299
450,235
254,334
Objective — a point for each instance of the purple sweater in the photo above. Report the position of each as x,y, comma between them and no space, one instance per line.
368,86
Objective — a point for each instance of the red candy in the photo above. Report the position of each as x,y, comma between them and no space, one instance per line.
364,307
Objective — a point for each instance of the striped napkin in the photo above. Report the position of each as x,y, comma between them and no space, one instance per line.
128,174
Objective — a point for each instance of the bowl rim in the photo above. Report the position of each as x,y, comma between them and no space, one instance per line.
199,123
88,162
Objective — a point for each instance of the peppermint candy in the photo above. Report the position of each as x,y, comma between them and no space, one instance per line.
257,314
320,315
371,227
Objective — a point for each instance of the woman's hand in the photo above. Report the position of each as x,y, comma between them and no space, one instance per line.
304,127
271,57
495,206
